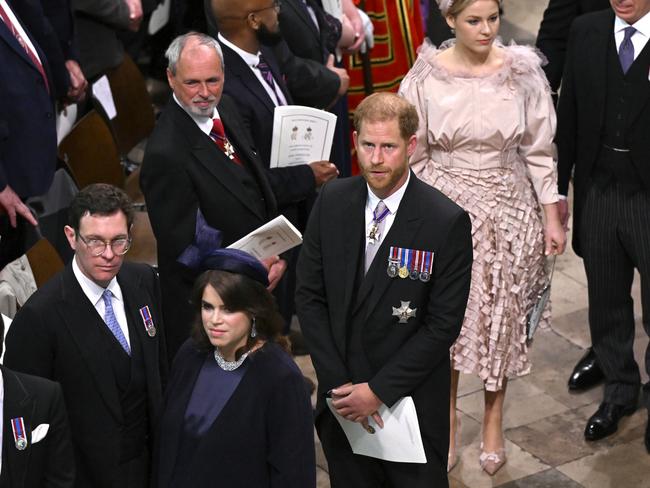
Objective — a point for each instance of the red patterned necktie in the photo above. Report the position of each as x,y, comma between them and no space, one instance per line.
218,135
25,46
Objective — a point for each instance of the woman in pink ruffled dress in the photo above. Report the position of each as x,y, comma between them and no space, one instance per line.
486,141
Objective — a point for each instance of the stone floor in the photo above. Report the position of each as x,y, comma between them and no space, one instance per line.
544,422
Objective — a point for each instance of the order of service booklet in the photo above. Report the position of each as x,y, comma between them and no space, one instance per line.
301,135
271,239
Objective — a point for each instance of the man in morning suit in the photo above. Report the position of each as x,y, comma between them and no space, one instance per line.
552,41
603,127
39,452
200,158
96,329
380,329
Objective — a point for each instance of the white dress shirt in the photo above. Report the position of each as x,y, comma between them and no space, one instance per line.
252,60
640,37
392,203
94,293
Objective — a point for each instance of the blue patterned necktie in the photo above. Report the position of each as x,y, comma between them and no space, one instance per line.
111,321
626,50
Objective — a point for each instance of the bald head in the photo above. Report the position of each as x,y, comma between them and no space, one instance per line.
224,10
248,23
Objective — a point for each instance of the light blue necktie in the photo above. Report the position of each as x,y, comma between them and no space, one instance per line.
626,50
111,321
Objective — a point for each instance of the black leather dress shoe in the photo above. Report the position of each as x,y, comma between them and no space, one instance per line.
605,421
647,435
587,373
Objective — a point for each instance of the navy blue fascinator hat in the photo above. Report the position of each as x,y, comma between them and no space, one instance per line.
205,253
236,261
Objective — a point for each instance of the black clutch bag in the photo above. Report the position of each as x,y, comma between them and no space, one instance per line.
535,315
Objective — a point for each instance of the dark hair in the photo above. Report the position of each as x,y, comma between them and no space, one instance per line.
99,199
240,294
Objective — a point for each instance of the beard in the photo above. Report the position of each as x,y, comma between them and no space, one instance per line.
267,37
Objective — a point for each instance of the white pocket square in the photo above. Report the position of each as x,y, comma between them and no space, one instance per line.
39,433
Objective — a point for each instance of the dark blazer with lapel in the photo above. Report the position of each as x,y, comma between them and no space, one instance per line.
57,335
298,29
50,461
581,110
26,107
290,185
306,43
263,437
406,359
554,33
184,171
97,23
309,82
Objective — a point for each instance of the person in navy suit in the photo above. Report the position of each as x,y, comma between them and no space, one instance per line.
31,73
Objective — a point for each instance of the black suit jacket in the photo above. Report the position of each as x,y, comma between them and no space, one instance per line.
263,437
581,111
50,461
291,184
184,171
26,107
58,335
406,359
554,33
309,82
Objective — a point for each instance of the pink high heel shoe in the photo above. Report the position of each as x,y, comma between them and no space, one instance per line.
491,462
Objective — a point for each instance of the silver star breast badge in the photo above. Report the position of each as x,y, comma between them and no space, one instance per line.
404,312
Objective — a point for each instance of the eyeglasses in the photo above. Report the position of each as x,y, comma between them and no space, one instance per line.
277,4
98,247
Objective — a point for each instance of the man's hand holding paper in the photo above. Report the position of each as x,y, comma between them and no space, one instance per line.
357,402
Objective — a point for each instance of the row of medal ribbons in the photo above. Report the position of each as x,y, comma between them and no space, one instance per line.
410,263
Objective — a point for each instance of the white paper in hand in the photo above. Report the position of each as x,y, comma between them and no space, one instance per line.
399,441
272,239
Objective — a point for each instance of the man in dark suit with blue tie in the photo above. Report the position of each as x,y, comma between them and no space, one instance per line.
602,138
96,328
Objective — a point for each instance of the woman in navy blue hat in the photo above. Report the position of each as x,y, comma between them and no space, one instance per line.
237,412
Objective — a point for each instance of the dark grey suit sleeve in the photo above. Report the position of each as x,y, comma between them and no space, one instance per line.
309,82
312,306
444,317
552,37
114,13
60,468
